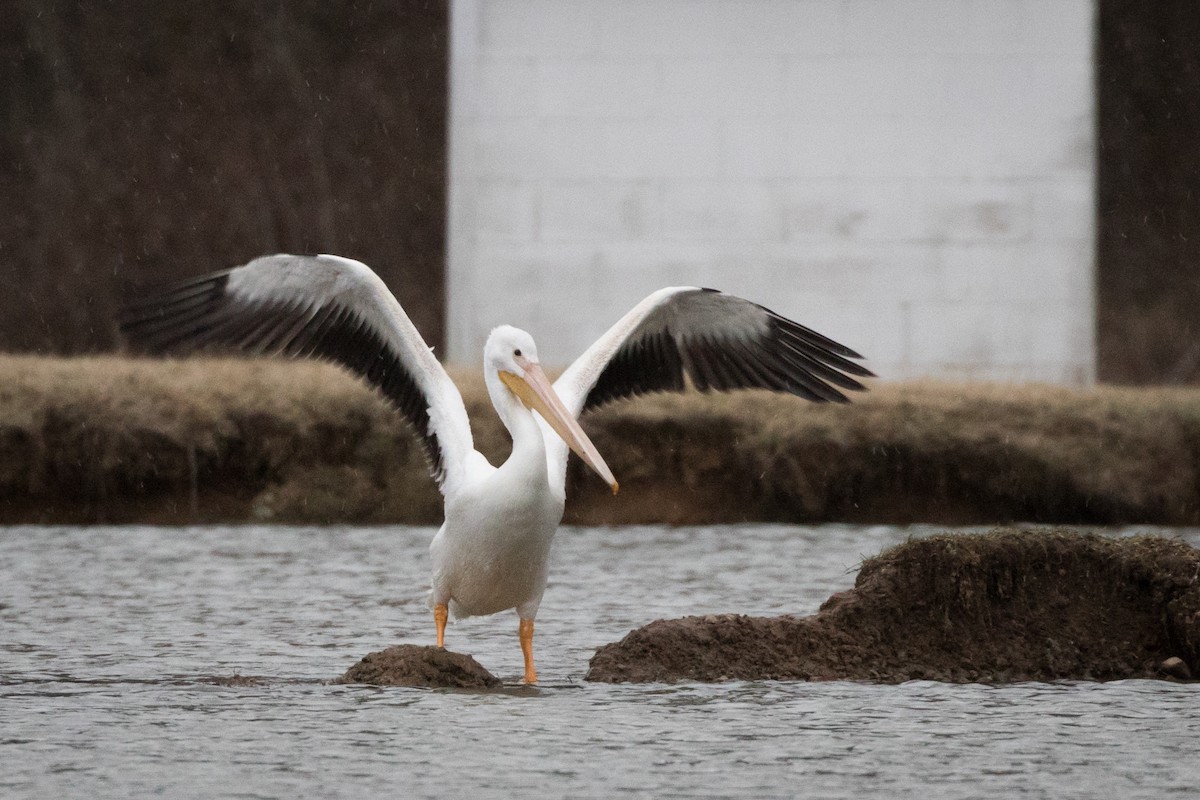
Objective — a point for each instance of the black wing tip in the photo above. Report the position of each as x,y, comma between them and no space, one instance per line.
819,345
156,299
147,320
786,357
170,287
808,333
857,370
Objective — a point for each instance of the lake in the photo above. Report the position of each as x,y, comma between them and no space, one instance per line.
112,641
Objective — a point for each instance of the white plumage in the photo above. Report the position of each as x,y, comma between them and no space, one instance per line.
492,551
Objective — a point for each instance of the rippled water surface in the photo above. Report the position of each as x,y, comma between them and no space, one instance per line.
110,639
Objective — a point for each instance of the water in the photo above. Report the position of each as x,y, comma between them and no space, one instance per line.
110,640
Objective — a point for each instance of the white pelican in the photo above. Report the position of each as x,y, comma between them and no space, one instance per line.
491,552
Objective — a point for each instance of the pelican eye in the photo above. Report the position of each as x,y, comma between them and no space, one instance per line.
517,353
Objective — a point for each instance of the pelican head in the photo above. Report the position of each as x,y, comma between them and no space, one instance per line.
512,354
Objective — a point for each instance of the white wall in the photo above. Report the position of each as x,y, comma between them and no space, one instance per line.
911,177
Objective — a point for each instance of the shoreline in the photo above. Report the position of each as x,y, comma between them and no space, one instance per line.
109,439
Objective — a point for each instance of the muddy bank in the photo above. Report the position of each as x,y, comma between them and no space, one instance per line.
211,440
417,665
1012,605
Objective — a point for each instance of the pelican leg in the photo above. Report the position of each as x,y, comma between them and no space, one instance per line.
440,614
526,629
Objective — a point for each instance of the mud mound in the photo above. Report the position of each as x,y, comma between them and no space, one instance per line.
414,665
1011,605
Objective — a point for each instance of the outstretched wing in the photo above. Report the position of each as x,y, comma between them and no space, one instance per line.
324,307
717,341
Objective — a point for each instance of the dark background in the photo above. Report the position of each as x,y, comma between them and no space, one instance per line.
1148,248
142,141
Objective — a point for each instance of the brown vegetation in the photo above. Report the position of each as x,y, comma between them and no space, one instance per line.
108,439
1013,605
911,452
119,440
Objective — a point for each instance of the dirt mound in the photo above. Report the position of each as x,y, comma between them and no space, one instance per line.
415,665
1011,605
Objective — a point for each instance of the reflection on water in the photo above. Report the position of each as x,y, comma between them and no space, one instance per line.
110,640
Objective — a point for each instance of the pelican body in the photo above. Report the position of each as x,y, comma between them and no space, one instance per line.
492,551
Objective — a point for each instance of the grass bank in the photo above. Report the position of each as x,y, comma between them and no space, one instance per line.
122,440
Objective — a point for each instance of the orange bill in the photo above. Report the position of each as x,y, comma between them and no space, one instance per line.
537,394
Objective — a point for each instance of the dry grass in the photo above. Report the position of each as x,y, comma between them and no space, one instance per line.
927,451
111,439
108,439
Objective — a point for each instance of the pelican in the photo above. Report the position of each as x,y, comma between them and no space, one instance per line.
491,552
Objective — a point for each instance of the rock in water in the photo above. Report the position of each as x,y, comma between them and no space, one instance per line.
417,665
1012,605
1175,667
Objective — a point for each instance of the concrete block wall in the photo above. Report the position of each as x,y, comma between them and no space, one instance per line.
911,177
